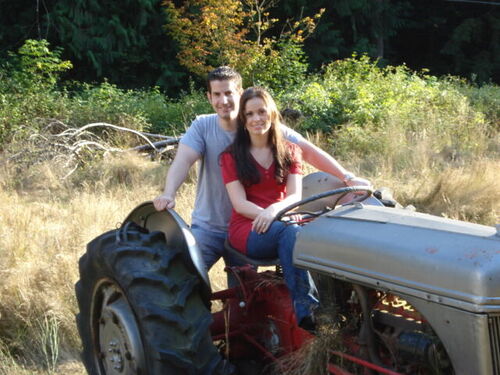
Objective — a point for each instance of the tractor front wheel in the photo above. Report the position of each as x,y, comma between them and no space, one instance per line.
140,309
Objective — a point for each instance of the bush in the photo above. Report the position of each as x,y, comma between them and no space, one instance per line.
485,99
374,111
178,113
28,88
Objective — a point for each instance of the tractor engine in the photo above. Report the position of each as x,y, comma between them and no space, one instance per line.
418,294
406,335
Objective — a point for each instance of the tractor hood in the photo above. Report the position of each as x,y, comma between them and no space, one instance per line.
429,257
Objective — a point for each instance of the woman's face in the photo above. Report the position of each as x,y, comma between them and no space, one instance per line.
258,118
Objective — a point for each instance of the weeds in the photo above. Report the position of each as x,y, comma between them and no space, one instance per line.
433,142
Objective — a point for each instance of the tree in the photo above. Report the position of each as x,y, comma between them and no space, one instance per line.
210,33
123,42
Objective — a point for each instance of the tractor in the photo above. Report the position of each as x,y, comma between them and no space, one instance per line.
403,293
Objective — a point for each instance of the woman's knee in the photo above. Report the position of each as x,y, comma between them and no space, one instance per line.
283,228
291,230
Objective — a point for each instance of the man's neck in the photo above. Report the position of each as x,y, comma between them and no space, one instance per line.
227,124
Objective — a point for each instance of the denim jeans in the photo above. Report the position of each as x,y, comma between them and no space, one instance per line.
211,245
280,240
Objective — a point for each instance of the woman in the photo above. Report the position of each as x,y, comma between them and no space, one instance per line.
262,174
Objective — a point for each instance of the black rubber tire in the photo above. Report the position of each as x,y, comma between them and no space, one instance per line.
153,289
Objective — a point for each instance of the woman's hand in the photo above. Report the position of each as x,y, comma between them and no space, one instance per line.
263,221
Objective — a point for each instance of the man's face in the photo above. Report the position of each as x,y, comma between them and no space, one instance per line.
225,98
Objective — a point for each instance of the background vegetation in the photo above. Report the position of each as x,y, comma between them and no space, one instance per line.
126,42
433,139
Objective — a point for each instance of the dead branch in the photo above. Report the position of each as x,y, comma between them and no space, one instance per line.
74,147
76,132
171,141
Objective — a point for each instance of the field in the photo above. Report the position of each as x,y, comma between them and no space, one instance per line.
433,141
45,223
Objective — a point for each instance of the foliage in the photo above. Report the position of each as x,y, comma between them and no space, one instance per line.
368,109
209,33
348,26
373,111
28,88
126,42
229,32
30,98
123,42
36,65
147,110
485,98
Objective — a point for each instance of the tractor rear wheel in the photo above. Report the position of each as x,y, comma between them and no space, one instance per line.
140,309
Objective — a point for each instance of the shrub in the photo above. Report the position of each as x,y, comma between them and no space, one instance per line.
35,66
484,98
28,88
374,111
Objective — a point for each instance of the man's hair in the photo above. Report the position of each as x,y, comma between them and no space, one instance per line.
224,73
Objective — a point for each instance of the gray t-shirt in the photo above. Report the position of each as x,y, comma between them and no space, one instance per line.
212,207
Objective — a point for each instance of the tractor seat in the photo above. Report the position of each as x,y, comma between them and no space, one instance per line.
262,262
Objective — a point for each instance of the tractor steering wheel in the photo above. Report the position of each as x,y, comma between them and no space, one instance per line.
285,214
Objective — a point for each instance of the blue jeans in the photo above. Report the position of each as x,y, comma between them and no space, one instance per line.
280,240
211,245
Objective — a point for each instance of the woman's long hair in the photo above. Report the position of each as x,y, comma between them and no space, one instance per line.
248,173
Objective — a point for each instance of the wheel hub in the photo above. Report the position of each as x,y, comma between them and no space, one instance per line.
119,344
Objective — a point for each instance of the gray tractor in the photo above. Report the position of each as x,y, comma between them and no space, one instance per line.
410,293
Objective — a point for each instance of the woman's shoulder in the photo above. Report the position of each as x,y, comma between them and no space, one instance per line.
227,156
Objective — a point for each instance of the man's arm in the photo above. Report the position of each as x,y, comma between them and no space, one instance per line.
324,162
177,173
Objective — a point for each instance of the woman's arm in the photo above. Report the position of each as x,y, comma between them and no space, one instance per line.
264,219
238,198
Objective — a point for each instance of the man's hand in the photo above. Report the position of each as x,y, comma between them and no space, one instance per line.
164,201
358,181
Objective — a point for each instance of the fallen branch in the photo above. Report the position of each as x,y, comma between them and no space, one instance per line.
74,133
74,147
171,141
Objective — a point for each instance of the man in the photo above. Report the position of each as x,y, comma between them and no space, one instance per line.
205,139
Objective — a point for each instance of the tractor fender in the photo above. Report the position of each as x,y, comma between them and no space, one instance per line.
177,235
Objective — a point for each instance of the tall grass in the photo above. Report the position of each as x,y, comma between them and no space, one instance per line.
434,142
44,228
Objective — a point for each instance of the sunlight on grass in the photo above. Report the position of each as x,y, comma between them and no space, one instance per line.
44,229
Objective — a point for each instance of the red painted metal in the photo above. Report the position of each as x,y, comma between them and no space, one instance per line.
336,370
365,364
260,310
258,321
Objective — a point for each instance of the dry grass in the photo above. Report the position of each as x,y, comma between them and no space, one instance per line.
44,227
466,191
457,185
45,223
313,359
